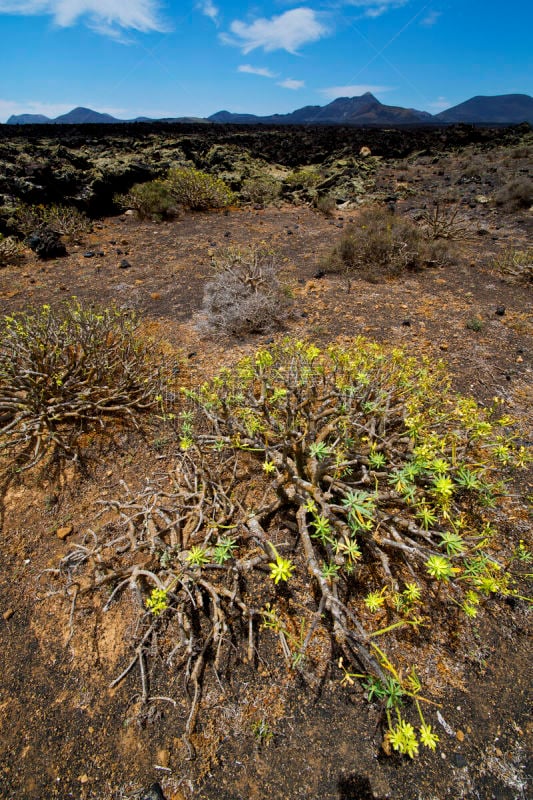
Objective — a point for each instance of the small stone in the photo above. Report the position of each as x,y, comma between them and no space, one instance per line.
129,213
83,778
519,360
163,758
500,311
124,264
89,254
459,760
460,736
406,323
8,614
62,533
443,346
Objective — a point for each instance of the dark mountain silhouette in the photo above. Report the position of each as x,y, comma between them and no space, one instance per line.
508,108
363,110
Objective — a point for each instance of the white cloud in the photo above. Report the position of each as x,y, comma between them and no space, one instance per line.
290,83
288,31
104,16
375,8
431,18
209,9
263,71
353,90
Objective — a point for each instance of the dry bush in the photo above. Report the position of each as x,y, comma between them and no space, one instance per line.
445,221
66,220
244,295
515,195
11,251
152,200
64,371
326,204
382,244
198,191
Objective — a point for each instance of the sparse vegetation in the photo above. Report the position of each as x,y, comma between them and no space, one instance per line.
64,371
245,295
260,189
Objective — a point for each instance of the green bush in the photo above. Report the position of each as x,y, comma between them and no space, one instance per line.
340,495
64,371
11,251
152,200
198,191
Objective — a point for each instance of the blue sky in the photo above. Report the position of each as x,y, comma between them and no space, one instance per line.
194,57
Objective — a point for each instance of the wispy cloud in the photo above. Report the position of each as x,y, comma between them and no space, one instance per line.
288,31
262,71
290,83
440,104
209,9
352,90
375,8
108,17
431,19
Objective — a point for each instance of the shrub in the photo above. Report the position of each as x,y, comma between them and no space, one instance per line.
517,263
355,477
11,251
260,190
382,244
244,294
65,220
326,204
152,200
197,190
305,178
63,371
515,195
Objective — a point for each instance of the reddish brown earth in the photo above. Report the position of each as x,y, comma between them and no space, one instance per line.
65,734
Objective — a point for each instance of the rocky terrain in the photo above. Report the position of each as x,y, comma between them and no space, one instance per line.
264,730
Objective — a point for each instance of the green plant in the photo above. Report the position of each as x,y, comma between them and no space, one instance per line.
11,251
196,190
260,189
65,220
356,536
67,370
152,200
518,263
475,324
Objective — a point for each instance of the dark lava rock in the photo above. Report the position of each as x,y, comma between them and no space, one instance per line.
89,254
124,264
153,793
458,760
500,311
46,243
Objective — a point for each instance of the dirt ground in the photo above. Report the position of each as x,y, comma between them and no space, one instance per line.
64,732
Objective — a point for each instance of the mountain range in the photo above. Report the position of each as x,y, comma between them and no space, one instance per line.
363,110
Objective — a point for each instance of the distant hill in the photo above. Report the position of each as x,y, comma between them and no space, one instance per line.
363,110
506,108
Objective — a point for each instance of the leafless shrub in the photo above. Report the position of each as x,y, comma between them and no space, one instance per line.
244,294
66,220
443,221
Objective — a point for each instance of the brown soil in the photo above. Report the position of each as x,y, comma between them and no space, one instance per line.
65,734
